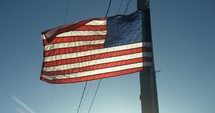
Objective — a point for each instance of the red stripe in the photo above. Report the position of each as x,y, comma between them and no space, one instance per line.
92,57
72,50
95,67
72,39
93,77
91,28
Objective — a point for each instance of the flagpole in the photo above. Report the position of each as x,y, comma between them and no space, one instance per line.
148,87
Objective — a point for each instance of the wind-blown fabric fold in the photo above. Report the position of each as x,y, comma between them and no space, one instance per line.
95,48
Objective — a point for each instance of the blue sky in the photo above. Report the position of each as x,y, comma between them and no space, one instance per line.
183,39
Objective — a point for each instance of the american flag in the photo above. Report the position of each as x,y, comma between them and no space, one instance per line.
95,48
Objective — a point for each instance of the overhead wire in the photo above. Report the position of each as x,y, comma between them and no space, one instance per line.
89,95
85,86
97,88
95,95
120,6
67,11
127,6
82,97
108,8
99,83
53,86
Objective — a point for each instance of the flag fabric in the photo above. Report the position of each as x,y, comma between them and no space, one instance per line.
95,48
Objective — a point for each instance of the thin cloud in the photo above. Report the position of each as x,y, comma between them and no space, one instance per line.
22,104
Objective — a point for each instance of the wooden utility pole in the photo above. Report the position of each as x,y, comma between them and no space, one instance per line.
148,88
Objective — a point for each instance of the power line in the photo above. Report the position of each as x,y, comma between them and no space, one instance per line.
95,95
108,8
120,6
99,79
82,97
88,95
67,11
86,81
127,6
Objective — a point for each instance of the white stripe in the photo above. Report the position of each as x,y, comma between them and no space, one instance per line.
93,52
97,22
98,71
82,33
73,44
94,62
43,36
